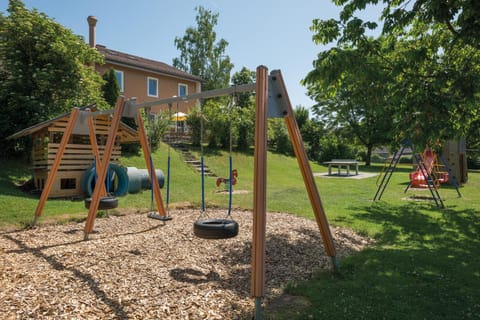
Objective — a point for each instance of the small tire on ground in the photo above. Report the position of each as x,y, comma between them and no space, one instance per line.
215,228
105,203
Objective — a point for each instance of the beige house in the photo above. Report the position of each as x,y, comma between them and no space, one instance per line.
145,79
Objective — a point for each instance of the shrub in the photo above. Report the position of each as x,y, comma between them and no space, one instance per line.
278,137
193,123
156,127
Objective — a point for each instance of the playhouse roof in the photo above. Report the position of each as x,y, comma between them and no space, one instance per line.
129,134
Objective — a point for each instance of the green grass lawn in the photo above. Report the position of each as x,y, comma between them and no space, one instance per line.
425,263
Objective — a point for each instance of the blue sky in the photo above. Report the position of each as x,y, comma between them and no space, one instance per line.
274,33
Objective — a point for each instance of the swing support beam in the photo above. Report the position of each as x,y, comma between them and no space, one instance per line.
271,101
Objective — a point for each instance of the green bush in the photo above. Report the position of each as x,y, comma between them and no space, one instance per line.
193,123
333,147
156,127
217,123
278,137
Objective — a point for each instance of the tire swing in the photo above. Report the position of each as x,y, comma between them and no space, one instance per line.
107,202
216,228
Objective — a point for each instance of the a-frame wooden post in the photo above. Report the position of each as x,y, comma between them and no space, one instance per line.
259,190
95,151
306,170
151,169
278,97
102,170
56,163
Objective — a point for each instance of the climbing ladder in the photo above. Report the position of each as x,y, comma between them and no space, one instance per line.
387,171
430,180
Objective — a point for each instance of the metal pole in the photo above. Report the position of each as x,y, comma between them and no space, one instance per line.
258,308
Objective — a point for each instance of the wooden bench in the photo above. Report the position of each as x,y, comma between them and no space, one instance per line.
339,163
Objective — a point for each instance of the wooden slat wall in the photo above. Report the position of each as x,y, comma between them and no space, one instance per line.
76,157
78,153
102,126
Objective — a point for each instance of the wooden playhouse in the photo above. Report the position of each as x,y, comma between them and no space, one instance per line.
78,155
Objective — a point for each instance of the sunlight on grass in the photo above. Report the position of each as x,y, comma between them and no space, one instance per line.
424,264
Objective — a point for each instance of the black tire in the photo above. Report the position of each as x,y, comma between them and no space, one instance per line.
215,228
105,203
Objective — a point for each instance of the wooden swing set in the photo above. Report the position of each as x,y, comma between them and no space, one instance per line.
271,101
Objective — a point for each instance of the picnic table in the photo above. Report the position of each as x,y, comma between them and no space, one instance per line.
339,163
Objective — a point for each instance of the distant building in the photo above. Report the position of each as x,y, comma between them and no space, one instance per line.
145,79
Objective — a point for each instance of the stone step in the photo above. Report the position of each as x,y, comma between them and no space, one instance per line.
193,161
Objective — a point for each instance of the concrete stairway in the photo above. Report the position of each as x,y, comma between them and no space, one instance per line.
194,162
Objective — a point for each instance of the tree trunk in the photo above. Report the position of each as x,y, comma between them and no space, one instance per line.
368,157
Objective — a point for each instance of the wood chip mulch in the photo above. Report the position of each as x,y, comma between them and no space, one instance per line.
133,267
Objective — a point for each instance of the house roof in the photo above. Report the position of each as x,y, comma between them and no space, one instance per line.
128,60
44,124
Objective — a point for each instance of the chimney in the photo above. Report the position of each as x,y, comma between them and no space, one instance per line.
92,22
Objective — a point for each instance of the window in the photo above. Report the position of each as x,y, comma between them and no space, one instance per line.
68,184
152,84
119,75
182,90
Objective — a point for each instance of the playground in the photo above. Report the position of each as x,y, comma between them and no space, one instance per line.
134,267
421,255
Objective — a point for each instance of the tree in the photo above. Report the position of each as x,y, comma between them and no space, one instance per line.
194,120
244,115
216,123
155,127
244,76
430,62
44,70
201,55
459,17
350,87
111,91
302,116
110,88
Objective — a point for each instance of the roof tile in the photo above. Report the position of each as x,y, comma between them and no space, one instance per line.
117,57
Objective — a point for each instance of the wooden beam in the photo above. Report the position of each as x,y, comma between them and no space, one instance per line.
260,185
307,174
96,153
150,166
102,172
200,95
56,164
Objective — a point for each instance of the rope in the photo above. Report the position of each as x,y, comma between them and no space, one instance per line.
202,159
168,158
230,159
